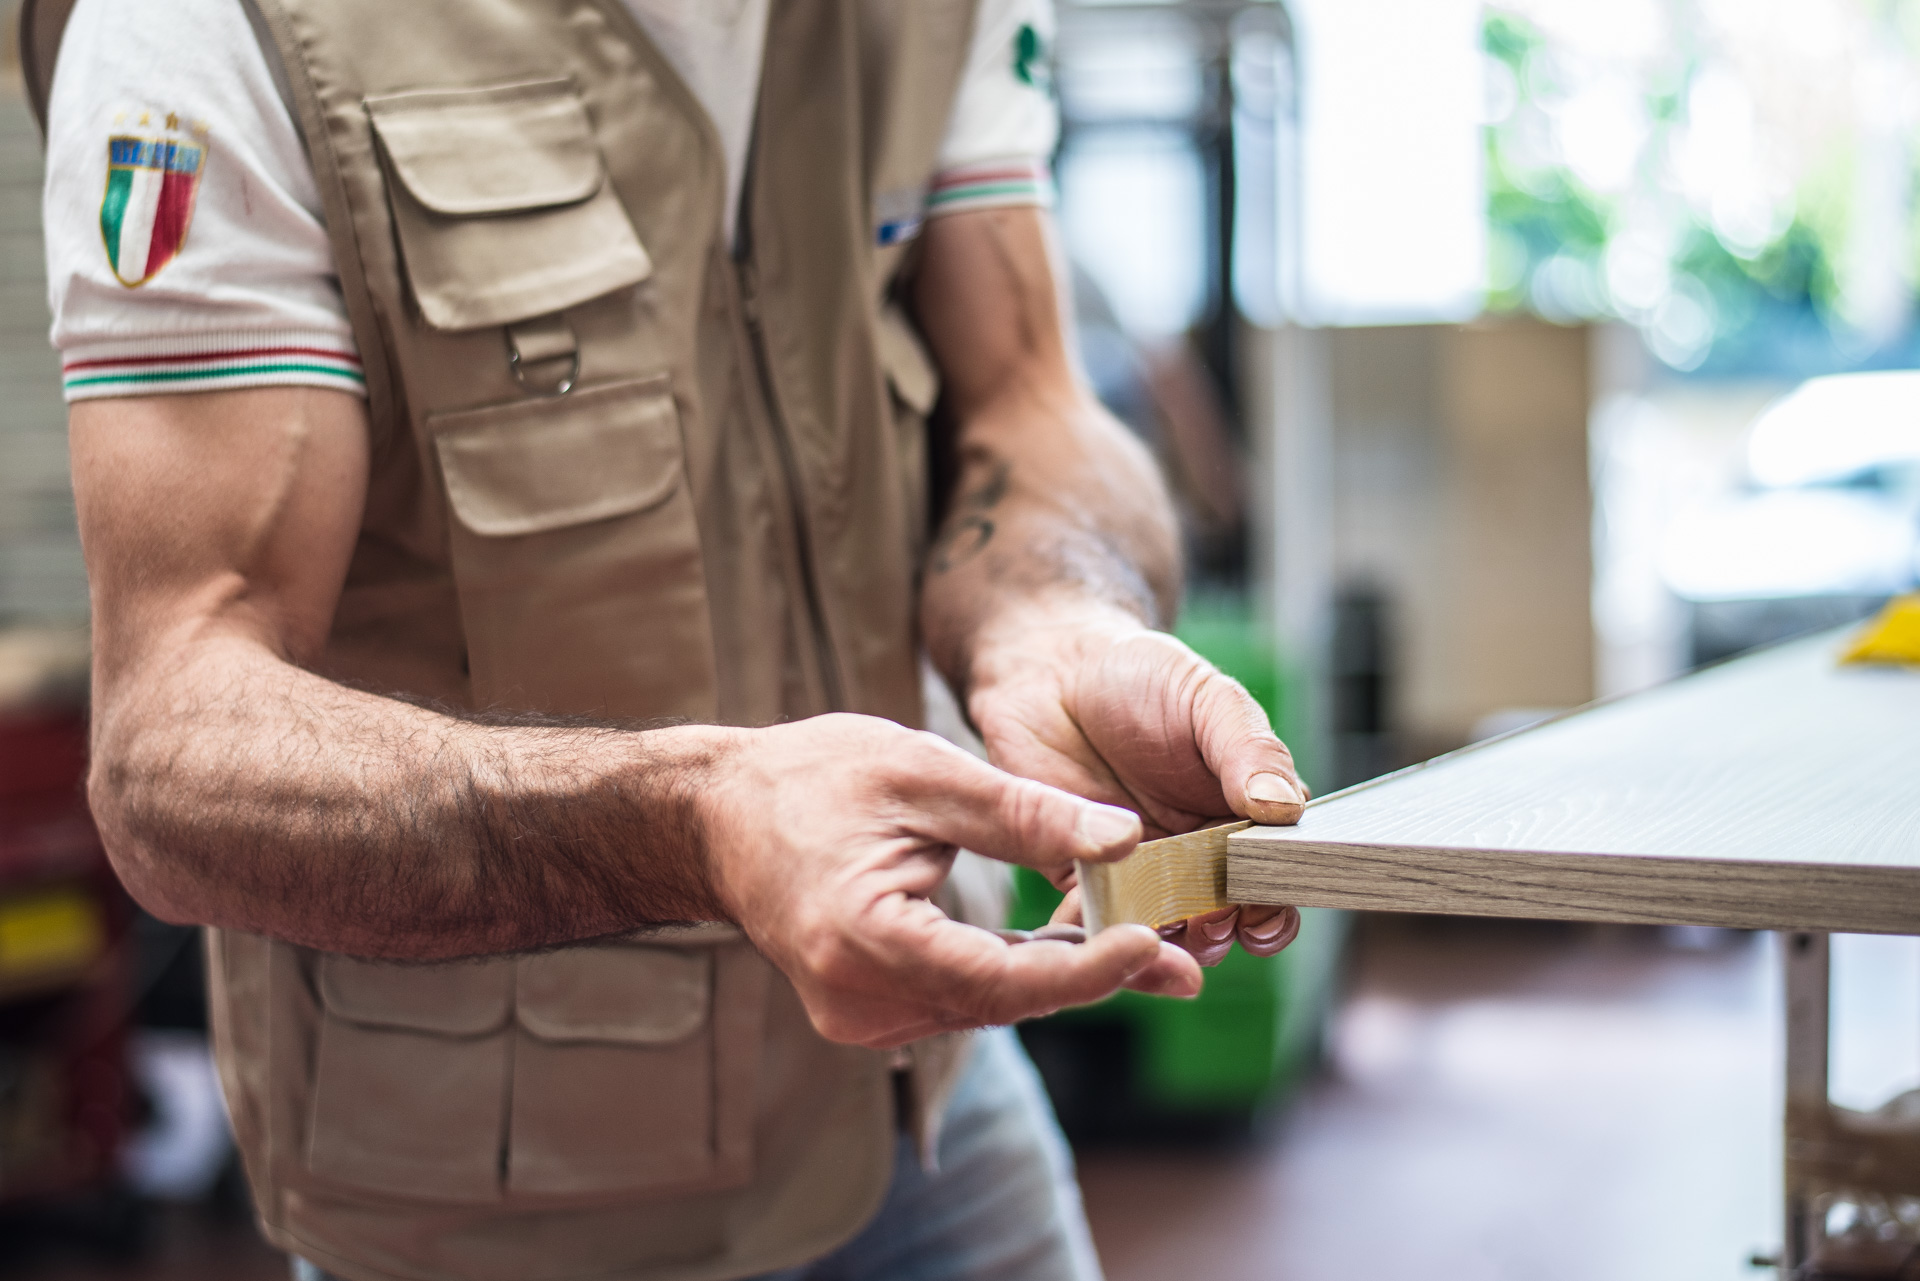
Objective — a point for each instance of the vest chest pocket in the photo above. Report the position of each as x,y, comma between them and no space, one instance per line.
576,553
590,1072
501,202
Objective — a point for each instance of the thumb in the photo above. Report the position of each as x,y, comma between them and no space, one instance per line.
1255,769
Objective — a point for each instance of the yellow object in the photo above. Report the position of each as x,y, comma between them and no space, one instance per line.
1893,636
56,930
1161,882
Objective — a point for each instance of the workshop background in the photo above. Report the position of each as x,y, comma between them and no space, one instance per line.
1466,334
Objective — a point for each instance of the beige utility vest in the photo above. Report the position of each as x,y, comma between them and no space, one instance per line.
618,470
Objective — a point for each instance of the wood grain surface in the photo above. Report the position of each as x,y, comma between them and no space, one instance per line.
1778,791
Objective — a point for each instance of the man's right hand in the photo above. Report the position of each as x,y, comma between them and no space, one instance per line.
234,786
827,839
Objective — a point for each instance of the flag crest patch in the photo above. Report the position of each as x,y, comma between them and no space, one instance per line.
151,184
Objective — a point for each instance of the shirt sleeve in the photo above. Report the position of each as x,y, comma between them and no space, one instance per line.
1005,121
184,241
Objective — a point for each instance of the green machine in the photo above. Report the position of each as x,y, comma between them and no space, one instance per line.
1133,1065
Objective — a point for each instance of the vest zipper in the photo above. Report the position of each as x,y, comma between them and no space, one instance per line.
796,496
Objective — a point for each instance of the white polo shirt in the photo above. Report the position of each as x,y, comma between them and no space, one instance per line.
184,236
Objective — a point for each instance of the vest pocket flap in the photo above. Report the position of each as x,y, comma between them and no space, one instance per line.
623,994
539,465
501,203
904,359
459,998
497,150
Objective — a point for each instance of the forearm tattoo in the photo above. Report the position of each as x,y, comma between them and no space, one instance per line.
970,528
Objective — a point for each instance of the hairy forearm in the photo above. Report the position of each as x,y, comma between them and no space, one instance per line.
235,789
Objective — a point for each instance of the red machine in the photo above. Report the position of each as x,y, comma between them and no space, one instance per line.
65,981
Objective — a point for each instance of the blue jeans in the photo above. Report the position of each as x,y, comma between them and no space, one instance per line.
1003,1205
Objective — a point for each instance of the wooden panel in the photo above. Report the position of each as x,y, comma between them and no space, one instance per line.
1517,536
1459,490
1775,792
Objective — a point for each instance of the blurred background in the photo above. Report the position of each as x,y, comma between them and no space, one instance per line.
1503,356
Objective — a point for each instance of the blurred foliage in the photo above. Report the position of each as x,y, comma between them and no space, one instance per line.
1647,251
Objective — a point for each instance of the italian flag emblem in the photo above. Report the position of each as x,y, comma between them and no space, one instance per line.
150,188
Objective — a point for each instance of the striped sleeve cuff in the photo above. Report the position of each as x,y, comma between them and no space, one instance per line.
990,184
211,362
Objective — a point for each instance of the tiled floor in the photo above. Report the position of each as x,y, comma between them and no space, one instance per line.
1505,1102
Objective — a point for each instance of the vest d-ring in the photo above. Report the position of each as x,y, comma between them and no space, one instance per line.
534,345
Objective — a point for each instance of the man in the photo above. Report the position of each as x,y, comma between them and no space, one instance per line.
498,436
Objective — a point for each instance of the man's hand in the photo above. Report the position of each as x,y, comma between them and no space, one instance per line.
829,838
1105,708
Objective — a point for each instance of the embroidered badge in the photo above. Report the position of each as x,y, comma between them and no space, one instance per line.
151,182
1032,63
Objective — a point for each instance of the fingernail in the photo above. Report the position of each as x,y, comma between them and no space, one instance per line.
1272,789
1180,985
1217,931
1268,931
1100,827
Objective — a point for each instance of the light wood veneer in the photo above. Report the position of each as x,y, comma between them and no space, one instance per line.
1778,791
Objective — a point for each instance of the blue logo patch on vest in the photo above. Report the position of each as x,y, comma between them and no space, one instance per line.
897,215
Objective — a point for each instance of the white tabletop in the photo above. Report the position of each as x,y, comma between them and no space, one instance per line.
1777,791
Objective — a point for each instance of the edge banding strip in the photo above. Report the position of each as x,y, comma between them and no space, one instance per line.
1161,883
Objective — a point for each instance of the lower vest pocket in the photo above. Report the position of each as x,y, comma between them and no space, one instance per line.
410,1075
586,1074
628,1068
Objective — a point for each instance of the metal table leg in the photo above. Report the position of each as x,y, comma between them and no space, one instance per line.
1805,958
1856,1173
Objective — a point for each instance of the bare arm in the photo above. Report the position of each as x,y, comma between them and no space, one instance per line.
1058,560
235,787
1056,506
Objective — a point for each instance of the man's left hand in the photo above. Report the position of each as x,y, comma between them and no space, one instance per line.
1091,701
